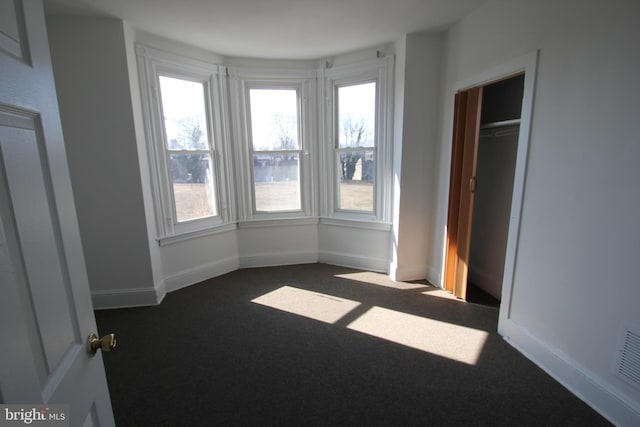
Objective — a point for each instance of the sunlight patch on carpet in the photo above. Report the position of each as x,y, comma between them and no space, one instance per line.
440,338
314,305
378,279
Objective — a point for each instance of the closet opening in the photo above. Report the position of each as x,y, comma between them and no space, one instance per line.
484,151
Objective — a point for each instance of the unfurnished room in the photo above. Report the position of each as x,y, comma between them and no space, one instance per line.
348,212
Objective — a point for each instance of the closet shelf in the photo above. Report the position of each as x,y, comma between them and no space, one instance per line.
504,123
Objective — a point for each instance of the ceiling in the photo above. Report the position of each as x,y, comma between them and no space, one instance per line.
277,29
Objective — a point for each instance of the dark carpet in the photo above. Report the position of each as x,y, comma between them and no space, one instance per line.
209,356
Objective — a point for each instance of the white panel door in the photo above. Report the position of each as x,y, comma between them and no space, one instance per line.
45,305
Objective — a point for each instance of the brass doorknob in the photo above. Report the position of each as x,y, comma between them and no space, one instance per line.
106,343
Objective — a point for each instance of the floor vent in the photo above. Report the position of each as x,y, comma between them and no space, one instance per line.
628,366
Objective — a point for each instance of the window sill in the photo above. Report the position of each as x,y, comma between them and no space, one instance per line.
353,223
267,223
284,222
190,235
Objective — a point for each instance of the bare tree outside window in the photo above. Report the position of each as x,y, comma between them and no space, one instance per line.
285,127
190,133
355,132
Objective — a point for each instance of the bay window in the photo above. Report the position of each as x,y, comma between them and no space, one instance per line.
297,145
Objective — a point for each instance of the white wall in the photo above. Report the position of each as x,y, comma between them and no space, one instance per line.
270,244
191,261
354,246
415,150
92,81
143,161
169,45
575,281
398,112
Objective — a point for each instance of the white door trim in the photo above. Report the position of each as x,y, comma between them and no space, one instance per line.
528,64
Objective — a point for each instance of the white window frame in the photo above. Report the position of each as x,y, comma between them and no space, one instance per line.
152,64
242,80
380,71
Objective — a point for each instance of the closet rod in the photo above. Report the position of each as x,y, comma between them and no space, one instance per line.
501,124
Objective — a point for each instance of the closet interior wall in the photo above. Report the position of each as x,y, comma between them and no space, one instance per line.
498,143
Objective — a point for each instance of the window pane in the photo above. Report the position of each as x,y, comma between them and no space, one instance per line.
356,115
355,180
192,186
185,118
276,181
274,119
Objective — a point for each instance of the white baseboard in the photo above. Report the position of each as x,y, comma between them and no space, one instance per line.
587,386
136,297
197,274
278,258
121,298
346,260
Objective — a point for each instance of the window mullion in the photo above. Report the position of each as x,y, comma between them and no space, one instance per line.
189,151
275,152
